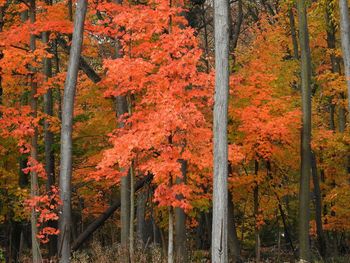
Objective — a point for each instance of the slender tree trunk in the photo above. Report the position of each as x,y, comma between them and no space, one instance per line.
345,41
180,221
66,132
171,236
256,214
49,140
304,191
293,33
34,186
132,213
233,242
219,230
91,228
318,209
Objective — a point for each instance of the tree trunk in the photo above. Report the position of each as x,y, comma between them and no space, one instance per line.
293,33
105,215
233,243
132,213
140,217
66,132
34,186
122,108
304,191
171,236
219,230
256,215
345,41
180,222
318,209
49,141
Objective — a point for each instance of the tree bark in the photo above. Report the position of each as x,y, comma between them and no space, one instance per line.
219,230
345,41
233,242
34,186
293,33
49,141
256,214
318,209
132,213
304,190
66,132
171,236
180,222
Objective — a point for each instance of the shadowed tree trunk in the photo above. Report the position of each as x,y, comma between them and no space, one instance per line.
293,33
233,242
180,222
318,209
49,141
66,132
256,214
219,229
304,190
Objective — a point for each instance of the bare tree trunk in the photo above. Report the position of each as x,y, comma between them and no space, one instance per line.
318,209
34,186
132,213
219,230
66,132
293,33
49,140
256,214
304,191
233,242
345,41
140,217
180,222
171,236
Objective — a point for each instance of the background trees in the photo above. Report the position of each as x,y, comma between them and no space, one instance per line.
158,58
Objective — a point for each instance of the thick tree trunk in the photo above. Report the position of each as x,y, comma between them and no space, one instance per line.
318,209
180,222
345,41
233,243
304,191
219,230
140,218
66,132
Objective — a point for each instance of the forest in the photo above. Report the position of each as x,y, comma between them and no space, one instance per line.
177,131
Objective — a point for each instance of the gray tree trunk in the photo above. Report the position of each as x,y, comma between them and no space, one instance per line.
171,236
66,132
345,41
304,191
132,214
140,217
34,186
219,229
180,222
256,214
